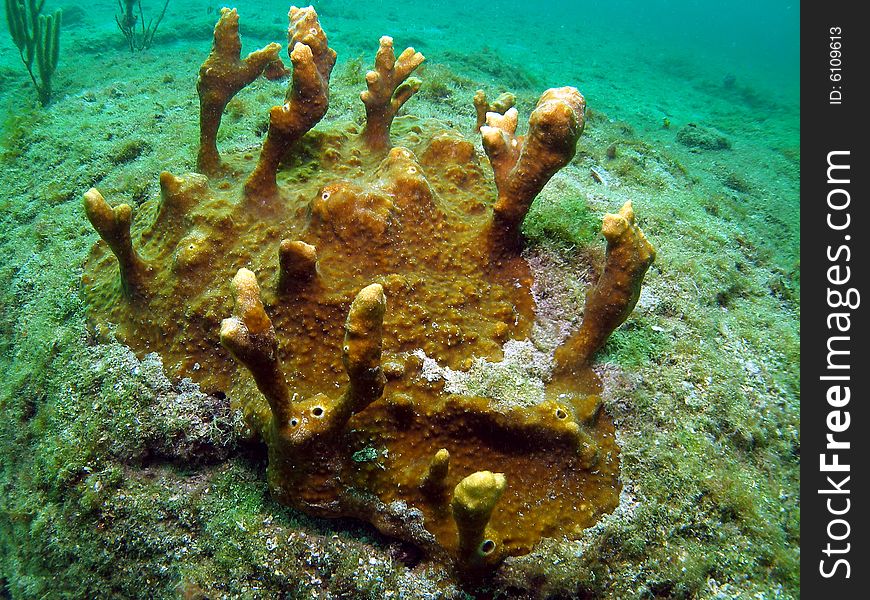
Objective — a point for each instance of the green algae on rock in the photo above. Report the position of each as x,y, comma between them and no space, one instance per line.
413,246
705,138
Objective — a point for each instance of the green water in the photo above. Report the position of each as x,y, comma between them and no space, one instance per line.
117,482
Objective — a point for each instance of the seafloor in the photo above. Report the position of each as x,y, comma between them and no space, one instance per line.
118,482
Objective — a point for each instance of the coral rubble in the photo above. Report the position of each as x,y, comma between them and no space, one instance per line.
703,138
404,246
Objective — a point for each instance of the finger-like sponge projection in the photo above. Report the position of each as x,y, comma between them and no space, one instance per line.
250,337
500,105
113,225
613,297
389,87
222,76
297,264
474,499
305,104
524,164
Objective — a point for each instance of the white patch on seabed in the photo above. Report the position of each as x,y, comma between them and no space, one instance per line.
624,512
516,380
431,371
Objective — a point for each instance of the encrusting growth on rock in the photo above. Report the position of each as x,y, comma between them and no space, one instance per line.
389,87
473,501
371,413
613,297
500,105
221,77
306,102
113,225
522,165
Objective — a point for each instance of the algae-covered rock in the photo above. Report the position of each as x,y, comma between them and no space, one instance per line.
705,138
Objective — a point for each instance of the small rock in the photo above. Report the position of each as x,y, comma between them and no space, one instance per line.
698,136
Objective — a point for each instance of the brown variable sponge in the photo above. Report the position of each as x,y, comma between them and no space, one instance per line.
389,87
500,105
524,164
222,76
613,297
337,301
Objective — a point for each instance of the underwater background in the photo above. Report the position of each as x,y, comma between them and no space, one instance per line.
117,481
